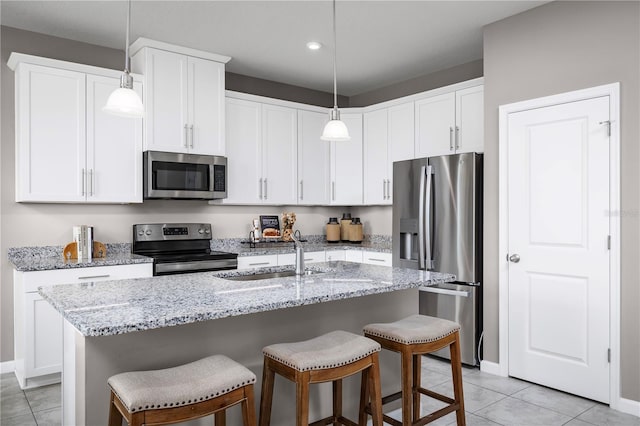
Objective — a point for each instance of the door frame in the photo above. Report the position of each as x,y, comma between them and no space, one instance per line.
613,91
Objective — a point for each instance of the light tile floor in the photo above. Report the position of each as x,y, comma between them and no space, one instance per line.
489,400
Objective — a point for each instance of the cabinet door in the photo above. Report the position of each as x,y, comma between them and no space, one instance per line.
114,147
334,255
244,154
50,134
435,125
401,133
166,101
279,155
43,353
346,164
206,106
314,171
470,120
353,256
375,157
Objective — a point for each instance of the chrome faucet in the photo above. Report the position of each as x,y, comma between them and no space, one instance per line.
299,254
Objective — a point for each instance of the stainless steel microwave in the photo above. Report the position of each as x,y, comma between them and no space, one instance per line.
170,175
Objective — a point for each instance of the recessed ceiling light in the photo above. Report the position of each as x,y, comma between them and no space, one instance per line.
314,45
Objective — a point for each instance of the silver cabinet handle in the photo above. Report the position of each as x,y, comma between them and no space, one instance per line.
186,136
384,189
301,190
260,187
191,129
376,260
259,263
90,185
515,258
265,188
388,189
84,182
91,277
333,191
457,137
450,138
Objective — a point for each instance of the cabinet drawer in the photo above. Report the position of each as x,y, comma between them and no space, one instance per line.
314,257
332,255
35,279
248,262
353,256
287,259
375,258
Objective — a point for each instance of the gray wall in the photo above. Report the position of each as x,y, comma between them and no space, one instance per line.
555,48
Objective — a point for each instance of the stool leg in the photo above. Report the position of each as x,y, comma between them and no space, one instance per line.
266,396
407,386
220,418
248,407
417,370
364,397
456,370
337,401
376,390
115,416
302,399
137,419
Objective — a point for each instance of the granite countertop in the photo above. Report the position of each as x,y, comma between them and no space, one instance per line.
124,306
46,258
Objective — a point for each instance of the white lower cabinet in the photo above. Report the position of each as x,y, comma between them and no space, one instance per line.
263,261
287,259
38,326
314,257
332,255
353,256
376,258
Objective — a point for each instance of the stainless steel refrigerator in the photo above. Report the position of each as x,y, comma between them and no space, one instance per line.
437,225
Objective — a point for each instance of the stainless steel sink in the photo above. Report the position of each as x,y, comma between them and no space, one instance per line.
266,275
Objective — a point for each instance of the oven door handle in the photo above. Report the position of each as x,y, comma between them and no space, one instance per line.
198,265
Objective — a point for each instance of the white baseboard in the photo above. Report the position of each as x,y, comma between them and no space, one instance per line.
491,368
628,406
7,367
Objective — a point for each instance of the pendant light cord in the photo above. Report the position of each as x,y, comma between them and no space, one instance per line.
126,47
335,48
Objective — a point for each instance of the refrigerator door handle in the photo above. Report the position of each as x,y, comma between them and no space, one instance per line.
446,291
428,219
421,212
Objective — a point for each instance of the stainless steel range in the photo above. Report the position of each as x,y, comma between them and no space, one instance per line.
177,248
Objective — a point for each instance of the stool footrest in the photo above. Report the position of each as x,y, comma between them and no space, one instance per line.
436,395
331,420
390,398
436,415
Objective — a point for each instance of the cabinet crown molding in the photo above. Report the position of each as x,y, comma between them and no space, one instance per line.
161,45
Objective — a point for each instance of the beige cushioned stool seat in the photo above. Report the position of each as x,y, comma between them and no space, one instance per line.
413,329
330,350
183,385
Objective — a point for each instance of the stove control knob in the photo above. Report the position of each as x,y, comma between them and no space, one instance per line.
200,231
207,231
141,232
148,232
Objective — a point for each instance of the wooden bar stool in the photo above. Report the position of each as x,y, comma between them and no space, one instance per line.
413,337
174,395
327,358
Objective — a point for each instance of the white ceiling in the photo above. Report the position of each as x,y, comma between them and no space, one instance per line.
379,42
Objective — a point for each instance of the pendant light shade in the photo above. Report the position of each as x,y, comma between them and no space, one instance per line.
335,129
125,102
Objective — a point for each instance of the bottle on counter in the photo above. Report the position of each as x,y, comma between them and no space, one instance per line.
345,225
355,231
333,230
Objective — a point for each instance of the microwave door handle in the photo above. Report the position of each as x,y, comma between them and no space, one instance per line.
421,219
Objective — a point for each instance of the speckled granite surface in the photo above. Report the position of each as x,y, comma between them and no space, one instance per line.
44,258
118,307
377,243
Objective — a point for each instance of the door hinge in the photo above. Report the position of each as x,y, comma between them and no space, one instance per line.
609,355
608,242
608,123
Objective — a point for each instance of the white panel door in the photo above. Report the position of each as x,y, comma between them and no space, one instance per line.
114,147
558,226
346,164
469,135
435,125
206,106
375,157
314,171
166,102
44,351
244,153
50,135
401,133
279,155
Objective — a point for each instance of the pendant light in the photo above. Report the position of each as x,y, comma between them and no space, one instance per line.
335,129
124,101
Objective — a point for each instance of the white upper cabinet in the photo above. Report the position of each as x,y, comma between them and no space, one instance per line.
261,153
346,164
67,149
314,155
184,98
388,137
450,123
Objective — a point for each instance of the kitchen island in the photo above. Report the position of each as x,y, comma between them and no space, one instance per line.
149,323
